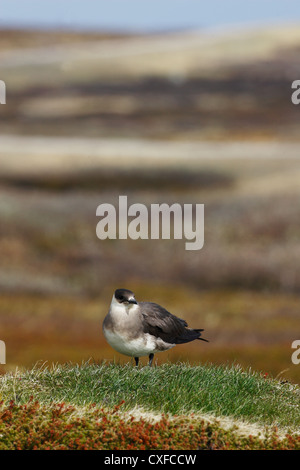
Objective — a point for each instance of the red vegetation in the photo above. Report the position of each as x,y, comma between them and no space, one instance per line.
60,426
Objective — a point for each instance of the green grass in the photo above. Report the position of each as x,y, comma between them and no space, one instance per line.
121,407
173,389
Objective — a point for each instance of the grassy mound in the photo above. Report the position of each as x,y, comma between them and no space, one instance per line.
94,407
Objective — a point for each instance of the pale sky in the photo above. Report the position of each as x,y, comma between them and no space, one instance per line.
145,15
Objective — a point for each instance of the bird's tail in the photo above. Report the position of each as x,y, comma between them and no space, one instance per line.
199,337
190,335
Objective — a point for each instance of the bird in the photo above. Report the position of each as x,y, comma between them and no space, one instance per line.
139,329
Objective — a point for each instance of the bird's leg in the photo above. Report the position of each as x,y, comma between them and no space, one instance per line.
151,356
136,361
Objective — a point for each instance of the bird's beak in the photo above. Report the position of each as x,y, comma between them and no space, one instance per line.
132,301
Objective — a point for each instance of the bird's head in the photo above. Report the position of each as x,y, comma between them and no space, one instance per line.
125,296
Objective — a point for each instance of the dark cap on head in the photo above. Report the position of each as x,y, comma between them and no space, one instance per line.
125,295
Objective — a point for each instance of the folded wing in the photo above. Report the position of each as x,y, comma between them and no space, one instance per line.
162,324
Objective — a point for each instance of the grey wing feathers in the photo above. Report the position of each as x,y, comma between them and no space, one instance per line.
161,323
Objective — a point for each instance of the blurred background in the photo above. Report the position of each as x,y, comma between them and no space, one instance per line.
168,101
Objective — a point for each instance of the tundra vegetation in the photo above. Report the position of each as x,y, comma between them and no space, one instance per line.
174,406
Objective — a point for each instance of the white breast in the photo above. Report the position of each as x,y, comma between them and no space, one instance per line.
141,346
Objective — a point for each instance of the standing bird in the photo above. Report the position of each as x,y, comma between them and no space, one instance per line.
143,328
